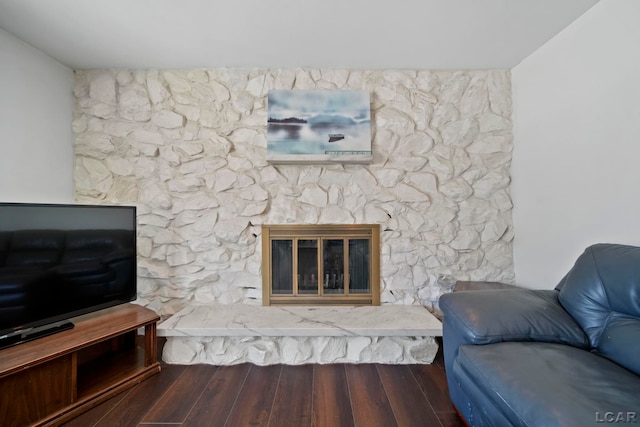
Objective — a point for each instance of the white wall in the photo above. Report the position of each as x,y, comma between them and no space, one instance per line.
576,166
36,107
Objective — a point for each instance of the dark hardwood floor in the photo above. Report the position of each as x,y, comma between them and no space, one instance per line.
366,395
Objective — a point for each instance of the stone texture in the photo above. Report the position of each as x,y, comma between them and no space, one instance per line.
103,88
188,149
264,351
168,119
134,103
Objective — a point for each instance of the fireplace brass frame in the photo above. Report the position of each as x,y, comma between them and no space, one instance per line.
320,231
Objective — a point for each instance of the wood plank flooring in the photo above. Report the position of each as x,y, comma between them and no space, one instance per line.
365,395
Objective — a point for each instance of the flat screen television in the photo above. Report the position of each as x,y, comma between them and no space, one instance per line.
61,261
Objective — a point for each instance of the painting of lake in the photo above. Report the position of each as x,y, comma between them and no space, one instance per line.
319,126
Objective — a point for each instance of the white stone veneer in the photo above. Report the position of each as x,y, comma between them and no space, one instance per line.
240,333
188,148
299,350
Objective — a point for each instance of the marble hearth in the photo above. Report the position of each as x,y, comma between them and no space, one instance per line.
241,333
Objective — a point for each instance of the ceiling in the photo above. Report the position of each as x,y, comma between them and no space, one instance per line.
356,34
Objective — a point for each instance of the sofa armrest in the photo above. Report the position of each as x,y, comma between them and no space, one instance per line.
485,317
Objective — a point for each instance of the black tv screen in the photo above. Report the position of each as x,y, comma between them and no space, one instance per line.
62,261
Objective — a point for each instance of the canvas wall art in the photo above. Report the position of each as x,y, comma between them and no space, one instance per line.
319,126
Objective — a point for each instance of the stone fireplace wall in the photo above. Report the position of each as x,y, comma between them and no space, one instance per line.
188,148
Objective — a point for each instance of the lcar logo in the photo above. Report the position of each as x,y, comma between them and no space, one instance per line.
617,417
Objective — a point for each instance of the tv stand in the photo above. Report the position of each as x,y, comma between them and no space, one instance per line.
50,380
32,334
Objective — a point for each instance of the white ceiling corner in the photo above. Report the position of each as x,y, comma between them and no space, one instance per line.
354,34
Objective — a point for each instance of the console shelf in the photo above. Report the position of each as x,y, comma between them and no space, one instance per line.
48,381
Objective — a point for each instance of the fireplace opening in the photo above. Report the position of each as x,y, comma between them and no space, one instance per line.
321,264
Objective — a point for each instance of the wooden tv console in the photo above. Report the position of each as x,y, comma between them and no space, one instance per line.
48,381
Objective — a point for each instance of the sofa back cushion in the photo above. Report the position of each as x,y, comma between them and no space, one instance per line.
602,293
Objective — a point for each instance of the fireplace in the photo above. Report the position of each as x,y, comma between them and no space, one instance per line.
321,264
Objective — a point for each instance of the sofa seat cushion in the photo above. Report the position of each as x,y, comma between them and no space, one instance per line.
548,384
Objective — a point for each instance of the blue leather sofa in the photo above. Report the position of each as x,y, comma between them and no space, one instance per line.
563,357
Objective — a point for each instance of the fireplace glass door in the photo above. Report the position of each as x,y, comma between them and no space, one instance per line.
333,266
307,273
321,266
